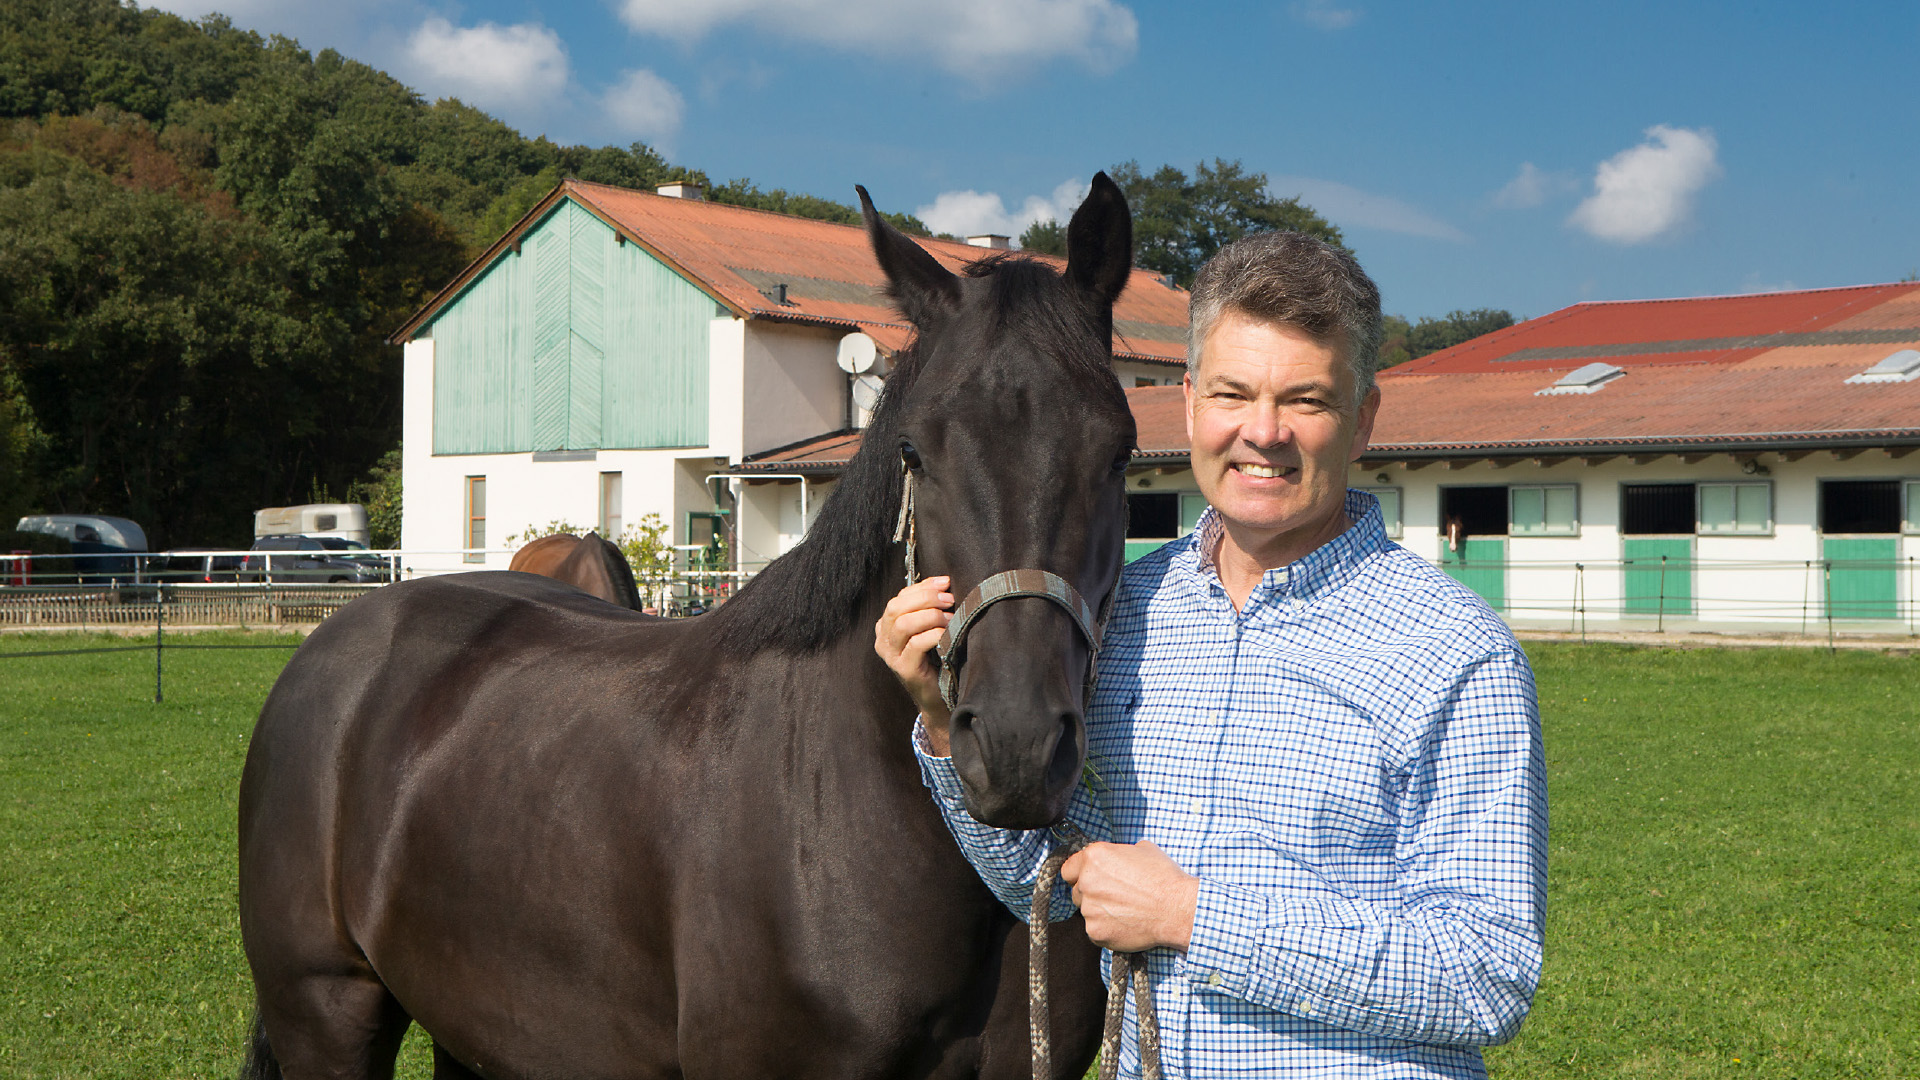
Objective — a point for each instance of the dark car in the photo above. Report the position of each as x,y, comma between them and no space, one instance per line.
310,559
197,566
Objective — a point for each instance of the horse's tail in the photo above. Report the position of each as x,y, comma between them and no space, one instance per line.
260,1063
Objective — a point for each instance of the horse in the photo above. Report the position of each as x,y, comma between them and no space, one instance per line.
570,840
590,563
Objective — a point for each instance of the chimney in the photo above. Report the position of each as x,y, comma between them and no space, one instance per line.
680,189
991,240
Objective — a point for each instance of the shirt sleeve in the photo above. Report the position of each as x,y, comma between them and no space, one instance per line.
1456,957
1008,860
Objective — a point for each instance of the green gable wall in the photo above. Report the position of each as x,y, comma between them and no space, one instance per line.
577,343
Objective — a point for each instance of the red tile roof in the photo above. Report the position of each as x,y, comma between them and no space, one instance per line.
1736,372
734,253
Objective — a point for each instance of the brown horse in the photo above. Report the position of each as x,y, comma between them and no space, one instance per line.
572,841
590,563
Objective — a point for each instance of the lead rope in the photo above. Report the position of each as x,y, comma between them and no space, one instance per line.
1127,968
904,528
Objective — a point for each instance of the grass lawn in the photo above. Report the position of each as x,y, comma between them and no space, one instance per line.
1735,880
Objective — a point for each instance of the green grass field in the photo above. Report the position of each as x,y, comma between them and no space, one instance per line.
1735,882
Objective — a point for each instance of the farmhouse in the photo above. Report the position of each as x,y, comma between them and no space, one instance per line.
1716,463
618,353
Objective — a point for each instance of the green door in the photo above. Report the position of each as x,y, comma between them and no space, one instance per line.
1862,581
1658,575
1480,565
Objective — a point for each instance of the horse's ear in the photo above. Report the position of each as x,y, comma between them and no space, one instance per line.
923,288
1100,241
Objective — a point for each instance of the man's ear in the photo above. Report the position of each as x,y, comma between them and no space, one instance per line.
924,290
1100,242
1363,422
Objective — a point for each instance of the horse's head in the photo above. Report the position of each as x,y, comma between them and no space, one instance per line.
1017,434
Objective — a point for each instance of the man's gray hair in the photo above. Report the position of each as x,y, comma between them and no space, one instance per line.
1291,279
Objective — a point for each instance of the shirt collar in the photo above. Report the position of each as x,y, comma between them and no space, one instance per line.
1320,571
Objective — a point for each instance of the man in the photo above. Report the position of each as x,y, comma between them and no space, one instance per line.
1318,758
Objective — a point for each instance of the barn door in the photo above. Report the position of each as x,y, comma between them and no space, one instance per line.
1480,565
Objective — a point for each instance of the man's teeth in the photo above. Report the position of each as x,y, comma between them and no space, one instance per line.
1267,472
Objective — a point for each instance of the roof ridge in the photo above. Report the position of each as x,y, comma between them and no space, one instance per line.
1739,296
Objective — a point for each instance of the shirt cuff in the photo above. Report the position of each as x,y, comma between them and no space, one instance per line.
935,772
1226,930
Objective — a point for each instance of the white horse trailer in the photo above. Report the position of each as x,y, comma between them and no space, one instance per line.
348,521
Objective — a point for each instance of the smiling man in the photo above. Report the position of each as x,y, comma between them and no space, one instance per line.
1318,758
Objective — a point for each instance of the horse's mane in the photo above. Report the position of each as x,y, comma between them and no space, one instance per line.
814,594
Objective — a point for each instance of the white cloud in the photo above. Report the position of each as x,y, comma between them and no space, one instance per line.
1753,284
643,105
517,67
1345,205
1647,191
1533,186
973,38
1323,14
972,213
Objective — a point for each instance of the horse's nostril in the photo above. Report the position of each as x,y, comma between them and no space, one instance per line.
1064,766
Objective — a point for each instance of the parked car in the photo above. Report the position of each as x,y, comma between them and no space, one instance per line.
308,559
197,566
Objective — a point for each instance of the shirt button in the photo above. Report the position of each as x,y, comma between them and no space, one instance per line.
1215,979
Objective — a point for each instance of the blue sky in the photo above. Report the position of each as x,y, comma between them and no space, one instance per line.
1524,156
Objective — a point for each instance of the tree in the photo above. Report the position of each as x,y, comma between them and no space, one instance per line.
1401,341
1178,223
746,193
1045,237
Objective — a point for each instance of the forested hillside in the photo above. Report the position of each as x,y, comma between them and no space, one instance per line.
205,237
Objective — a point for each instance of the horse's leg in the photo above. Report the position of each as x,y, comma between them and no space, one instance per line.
334,1027
445,1068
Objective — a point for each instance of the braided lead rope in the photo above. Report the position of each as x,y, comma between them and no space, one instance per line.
1127,967
903,529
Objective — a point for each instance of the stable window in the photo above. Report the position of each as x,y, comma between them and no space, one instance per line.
610,519
1544,510
1657,509
1482,511
1742,508
1154,516
1389,498
1859,506
476,518
1913,506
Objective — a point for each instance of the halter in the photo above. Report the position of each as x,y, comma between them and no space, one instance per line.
1005,585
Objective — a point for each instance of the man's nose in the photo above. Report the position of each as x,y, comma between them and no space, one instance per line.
1267,428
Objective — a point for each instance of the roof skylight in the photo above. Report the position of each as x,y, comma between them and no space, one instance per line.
1903,366
1587,379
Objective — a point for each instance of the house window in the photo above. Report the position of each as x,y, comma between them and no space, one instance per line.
476,519
1913,506
1860,506
1389,498
1153,517
1657,509
610,520
1744,508
1544,510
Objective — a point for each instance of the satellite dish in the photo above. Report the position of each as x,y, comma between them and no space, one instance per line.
857,354
866,389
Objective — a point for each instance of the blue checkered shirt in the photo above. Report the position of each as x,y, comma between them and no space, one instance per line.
1352,768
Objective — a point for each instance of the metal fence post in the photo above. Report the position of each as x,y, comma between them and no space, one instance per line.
1826,573
1580,598
159,638
1660,617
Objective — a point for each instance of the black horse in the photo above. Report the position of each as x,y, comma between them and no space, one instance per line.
573,841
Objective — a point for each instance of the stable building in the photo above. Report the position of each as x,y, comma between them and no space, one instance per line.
617,353
1728,464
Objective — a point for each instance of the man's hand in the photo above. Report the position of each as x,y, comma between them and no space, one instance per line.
1133,896
905,637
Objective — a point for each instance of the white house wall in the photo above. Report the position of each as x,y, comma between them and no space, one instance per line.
793,388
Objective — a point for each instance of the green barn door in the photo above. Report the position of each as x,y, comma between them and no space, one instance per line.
1863,579
1657,575
1480,565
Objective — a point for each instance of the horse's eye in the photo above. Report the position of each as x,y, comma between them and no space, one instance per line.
909,456
1120,463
